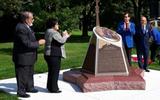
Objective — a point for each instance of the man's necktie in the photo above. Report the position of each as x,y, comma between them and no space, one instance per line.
127,26
144,29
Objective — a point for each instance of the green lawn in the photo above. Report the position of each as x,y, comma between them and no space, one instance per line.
76,48
7,96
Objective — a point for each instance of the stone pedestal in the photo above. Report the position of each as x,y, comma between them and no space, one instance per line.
106,66
90,83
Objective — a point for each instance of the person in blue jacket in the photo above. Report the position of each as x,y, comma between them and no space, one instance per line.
126,29
155,46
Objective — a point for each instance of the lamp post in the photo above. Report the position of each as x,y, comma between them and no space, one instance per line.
97,13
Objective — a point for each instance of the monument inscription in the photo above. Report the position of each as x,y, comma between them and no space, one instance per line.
105,55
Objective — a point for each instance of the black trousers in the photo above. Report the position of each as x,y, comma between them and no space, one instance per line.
128,52
143,52
24,77
54,63
155,50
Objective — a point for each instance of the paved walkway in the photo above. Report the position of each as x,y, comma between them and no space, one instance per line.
72,92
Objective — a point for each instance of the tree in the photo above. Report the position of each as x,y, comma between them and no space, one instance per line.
10,6
74,13
111,12
138,6
154,6
87,14
67,14
8,10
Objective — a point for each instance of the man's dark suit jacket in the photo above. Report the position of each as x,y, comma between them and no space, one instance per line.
142,45
25,45
142,39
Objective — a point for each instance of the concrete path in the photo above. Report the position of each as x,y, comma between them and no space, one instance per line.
72,92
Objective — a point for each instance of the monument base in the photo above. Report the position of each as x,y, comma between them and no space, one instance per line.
90,83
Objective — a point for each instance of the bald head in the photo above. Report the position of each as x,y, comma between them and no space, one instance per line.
143,20
26,17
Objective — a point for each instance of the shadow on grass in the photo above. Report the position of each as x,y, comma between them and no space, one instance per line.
6,51
7,96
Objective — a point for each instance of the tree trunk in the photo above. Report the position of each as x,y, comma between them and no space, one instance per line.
85,24
137,14
137,11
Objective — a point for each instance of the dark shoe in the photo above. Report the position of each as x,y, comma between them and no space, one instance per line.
58,91
33,91
23,95
146,70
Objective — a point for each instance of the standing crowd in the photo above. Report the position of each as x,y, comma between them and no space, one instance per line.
25,53
25,49
140,36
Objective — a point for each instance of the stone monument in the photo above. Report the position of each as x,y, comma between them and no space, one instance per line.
105,55
105,66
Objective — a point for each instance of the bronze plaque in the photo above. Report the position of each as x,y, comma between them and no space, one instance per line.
106,55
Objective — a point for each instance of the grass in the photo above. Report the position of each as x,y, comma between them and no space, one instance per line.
6,64
76,48
7,96
154,66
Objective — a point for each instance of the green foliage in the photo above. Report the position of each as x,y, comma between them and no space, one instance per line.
40,20
10,6
60,9
68,19
69,12
111,12
7,96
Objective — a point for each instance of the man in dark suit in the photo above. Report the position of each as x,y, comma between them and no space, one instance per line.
142,43
25,54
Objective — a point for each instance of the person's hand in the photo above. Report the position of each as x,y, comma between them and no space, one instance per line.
41,41
127,25
66,34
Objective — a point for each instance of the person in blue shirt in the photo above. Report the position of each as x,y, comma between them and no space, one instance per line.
155,46
126,29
